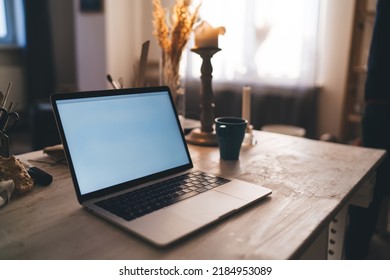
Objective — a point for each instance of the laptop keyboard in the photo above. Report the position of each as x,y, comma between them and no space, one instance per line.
140,202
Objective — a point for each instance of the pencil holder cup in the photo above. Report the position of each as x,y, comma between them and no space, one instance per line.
4,144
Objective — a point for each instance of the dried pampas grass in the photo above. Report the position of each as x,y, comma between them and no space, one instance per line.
172,31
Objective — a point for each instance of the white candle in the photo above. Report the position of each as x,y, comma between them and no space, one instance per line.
246,103
206,36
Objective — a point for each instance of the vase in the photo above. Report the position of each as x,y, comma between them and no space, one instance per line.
170,76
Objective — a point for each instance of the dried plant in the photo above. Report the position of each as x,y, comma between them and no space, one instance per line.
172,31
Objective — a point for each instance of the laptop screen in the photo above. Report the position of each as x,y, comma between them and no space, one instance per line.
117,138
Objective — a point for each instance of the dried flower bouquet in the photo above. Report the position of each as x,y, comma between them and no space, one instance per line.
172,31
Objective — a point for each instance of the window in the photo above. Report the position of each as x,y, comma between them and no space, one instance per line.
11,22
3,26
266,41
6,34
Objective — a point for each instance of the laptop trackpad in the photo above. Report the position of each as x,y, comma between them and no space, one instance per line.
207,207
173,222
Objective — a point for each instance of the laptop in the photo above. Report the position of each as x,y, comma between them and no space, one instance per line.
130,164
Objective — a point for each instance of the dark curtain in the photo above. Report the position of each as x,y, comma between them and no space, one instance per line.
375,134
38,52
40,73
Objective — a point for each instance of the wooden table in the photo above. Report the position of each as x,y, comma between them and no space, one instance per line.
311,181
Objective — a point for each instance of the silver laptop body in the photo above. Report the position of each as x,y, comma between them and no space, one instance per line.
120,141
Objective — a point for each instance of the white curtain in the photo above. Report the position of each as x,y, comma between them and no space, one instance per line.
270,42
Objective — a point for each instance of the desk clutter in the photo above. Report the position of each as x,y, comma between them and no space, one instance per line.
19,177
13,169
8,120
55,152
15,176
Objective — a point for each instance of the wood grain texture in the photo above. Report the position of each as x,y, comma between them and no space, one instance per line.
311,182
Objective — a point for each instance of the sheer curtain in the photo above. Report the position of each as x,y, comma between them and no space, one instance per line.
270,42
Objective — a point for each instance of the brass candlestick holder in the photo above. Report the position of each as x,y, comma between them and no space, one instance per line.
205,135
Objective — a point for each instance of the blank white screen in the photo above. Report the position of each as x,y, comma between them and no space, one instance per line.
116,139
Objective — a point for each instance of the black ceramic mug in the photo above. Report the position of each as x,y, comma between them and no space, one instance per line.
230,134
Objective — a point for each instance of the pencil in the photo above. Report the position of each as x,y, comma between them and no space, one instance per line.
6,94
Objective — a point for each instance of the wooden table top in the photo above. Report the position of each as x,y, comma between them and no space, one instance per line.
311,181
